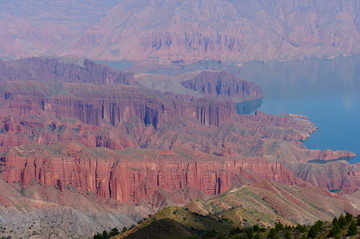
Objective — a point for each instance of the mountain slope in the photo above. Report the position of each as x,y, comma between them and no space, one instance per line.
186,31
44,212
265,204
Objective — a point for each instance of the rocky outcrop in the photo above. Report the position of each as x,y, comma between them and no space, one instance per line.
61,70
114,104
158,177
223,85
337,176
136,175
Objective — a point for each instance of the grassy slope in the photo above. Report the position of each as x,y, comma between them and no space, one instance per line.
176,222
266,203
195,226
164,228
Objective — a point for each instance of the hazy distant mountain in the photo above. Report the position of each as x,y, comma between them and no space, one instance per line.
188,30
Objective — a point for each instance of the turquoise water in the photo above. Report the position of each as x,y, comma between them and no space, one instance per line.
336,117
326,91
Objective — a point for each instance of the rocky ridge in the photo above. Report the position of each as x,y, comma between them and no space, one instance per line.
267,203
62,70
183,31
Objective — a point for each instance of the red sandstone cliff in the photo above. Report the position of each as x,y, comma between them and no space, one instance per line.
134,175
119,116
223,85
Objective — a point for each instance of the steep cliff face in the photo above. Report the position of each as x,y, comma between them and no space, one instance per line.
136,175
114,104
61,178
118,116
223,85
61,70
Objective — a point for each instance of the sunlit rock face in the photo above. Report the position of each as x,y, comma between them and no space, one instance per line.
124,178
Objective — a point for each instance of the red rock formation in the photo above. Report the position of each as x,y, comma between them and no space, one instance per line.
131,176
223,85
90,103
118,116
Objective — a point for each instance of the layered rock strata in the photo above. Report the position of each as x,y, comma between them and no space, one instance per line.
135,175
223,84
195,146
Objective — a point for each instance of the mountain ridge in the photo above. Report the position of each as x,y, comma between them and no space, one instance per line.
186,31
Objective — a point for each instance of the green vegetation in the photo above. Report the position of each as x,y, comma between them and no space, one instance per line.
177,223
107,235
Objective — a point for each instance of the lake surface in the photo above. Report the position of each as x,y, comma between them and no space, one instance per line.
327,91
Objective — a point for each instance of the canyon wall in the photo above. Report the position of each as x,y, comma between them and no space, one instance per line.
136,175
132,144
223,84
